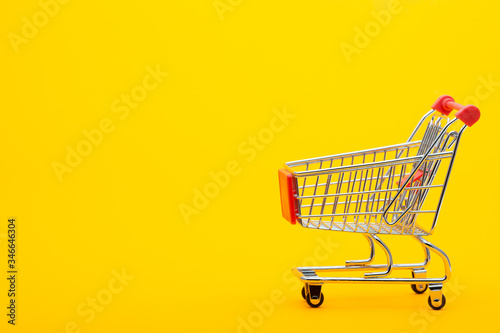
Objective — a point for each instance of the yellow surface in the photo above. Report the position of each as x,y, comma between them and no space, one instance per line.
225,265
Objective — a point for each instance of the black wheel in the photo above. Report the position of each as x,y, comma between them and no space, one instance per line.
419,288
304,292
443,303
321,299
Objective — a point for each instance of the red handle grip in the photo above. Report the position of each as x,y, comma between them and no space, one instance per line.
468,114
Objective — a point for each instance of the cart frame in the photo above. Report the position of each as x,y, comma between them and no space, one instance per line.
429,154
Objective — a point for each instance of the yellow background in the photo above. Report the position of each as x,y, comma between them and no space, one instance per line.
119,209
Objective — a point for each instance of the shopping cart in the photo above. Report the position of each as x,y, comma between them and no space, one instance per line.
379,191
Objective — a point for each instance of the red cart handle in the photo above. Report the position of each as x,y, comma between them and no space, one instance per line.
468,114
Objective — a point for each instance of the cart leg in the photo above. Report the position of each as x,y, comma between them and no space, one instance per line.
428,245
419,273
363,261
387,254
436,298
426,252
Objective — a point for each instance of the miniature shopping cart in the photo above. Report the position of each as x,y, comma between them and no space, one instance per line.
392,190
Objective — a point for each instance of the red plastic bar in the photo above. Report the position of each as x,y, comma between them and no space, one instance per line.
468,114
416,178
287,192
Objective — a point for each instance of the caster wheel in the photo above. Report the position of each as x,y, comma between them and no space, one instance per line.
419,288
321,299
304,292
443,303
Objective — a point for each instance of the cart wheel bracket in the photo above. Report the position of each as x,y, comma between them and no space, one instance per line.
436,297
419,273
314,296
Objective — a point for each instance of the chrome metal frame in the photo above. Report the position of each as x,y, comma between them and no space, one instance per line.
304,273
371,213
396,213
308,275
